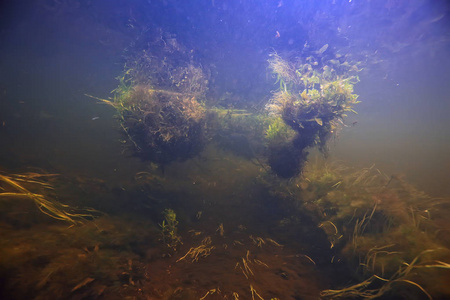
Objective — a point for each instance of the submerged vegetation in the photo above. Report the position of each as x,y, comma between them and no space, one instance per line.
391,238
160,102
166,114
313,97
386,230
15,187
169,229
166,118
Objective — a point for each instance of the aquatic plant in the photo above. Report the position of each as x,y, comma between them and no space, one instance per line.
203,250
169,229
380,224
278,131
163,125
160,101
14,187
367,290
312,99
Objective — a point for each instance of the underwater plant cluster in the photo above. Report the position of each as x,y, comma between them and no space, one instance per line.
166,113
159,102
313,98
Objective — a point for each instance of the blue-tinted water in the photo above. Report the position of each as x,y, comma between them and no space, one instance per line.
379,200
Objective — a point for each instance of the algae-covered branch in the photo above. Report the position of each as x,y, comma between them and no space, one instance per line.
162,94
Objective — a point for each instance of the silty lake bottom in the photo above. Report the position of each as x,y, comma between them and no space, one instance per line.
219,226
207,175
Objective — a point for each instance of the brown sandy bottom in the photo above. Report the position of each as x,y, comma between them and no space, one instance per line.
237,266
124,258
216,234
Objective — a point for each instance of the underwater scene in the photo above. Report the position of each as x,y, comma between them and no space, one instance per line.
224,149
